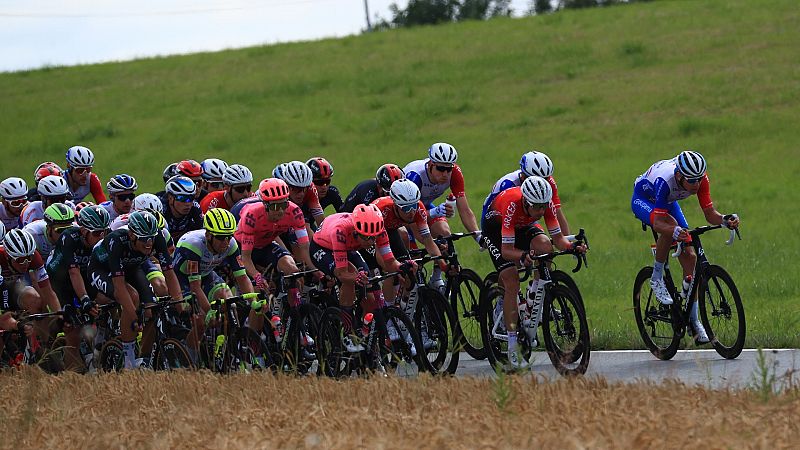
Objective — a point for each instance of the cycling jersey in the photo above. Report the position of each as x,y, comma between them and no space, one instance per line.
363,194
36,266
9,220
333,197
656,192
236,209
214,199
38,230
93,186
109,206
338,233
429,191
311,207
508,209
180,225
116,255
194,260
121,222
35,211
391,221
255,230
513,179
69,252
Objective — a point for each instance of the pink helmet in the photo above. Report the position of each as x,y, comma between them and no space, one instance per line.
272,190
368,220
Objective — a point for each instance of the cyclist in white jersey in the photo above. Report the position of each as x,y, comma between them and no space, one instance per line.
122,189
57,218
15,197
79,176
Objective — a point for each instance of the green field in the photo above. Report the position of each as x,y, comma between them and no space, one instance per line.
605,92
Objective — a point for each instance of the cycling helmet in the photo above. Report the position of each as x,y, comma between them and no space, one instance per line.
368,220
148,201
143,224
179,185
213,168
120,183
170,171
82,205
219,222
296,174
691,164
273,190
2,232
51,186
162,222
19,243
79,156
536,190
443,153
45,169
93,218
388,174
237,174
320,168
536,164
277,172
404,192
13,187
189,168
59,214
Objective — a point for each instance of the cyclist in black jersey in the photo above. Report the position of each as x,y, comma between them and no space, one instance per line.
369,190
181,211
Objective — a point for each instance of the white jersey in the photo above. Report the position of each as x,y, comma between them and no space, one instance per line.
109,206
35,211
38,230
9,220
659,176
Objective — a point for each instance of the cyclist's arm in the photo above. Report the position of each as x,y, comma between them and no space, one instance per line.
466,214
305,255
346,273
196,286
562,221
247,262
96,189
48,295
121,294
172,284
76,279
430,245
713,216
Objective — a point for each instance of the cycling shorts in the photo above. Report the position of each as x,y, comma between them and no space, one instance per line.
643,210
323,259
491,239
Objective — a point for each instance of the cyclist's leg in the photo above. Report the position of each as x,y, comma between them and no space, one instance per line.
508,277
400,251
688,257
644,210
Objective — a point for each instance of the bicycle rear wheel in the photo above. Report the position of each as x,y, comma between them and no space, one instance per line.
565,331
465,298
334,359
302,334
171,355
493,330
439,333
654,320
722,312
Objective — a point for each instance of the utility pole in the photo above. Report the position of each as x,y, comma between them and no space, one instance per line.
366,11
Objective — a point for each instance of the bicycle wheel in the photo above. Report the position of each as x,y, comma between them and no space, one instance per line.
722,312
438,329
395,348
563,278
171,354
565,331
654,320
334,360
112,357
253,354
465,299
299,348
493,330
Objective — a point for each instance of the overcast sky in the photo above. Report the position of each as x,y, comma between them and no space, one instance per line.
34,33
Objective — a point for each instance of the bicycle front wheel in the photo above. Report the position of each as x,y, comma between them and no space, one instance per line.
654,320
112,357
566,332
171,355
436,324
465,297
722,312
334,359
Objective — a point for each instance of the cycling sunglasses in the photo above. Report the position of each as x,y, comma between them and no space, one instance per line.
216,185
62,228
23,260
298,189
537,205
222,237
693,180
276,206
242,188
81,170
367,238
409,208
124,197
183,198
146,239
57,199
322,182
444,168
97,233
18,202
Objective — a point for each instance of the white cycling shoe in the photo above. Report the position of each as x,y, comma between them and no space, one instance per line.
516,362
660,289
350,346
699,333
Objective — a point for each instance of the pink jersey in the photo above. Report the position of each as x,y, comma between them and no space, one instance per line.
338,234
255,230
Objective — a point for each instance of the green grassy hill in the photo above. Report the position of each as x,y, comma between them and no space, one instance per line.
605,92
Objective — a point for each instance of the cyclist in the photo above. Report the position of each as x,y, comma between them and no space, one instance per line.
57,218
322,172
655,203
531,164
170,171
15,197
335,252
368,190
52,189
44,169
145,201
122,189
511,234
433,176
238,182
18,258
79,176
181,211
197,256
259,227
117,271
213,170
302,193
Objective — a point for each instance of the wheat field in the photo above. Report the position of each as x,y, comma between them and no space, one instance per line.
144,410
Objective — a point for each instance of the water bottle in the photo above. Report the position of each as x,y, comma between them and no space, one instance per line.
451,200
366,324
277,327
687,284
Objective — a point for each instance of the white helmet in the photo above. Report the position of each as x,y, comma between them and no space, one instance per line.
404,192
297,174
19,243
180,185
237,174
691,164
13,187
148,201
443,153
213,168
536,164
52,185
2,231
537,190
79,156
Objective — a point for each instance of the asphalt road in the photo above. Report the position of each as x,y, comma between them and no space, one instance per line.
703,367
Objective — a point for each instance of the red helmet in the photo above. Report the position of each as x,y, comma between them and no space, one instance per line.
82,205
368,220
320,167
189,168
273,190
388,174
45,169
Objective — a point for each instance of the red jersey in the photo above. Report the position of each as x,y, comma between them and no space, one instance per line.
509,209
338,234
214,199
311,202
255,230
392,221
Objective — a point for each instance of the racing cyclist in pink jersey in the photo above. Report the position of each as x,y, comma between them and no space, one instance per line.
655,203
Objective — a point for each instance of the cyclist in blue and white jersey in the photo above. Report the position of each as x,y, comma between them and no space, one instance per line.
122,189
